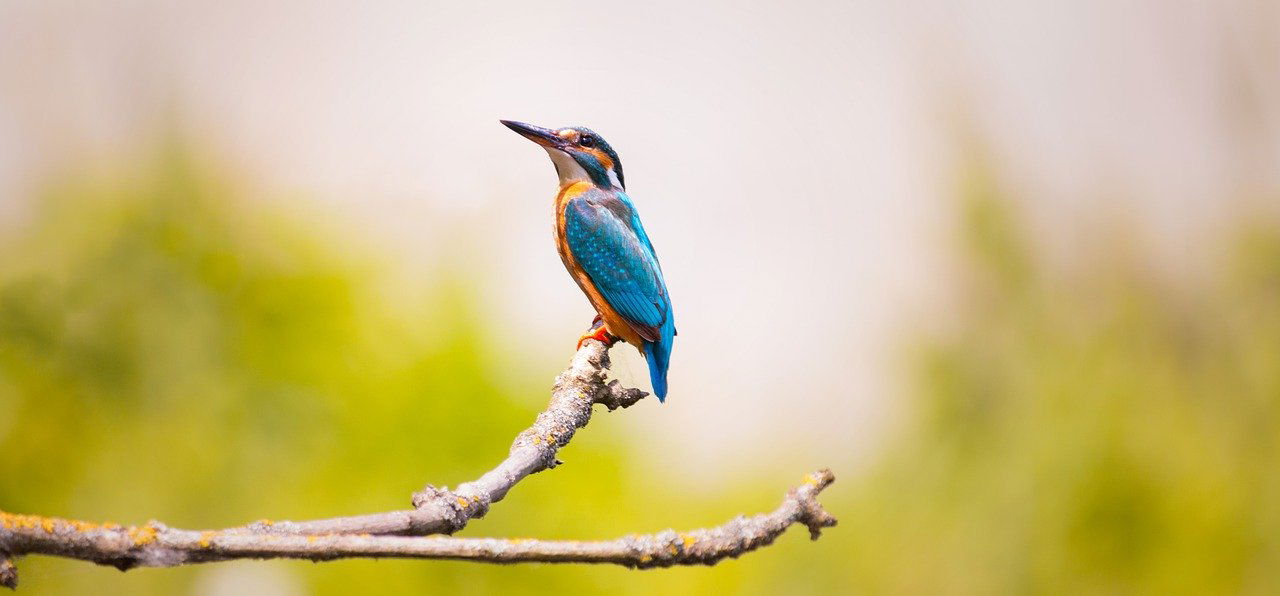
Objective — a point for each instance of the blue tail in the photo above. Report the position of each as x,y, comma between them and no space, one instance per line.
658,354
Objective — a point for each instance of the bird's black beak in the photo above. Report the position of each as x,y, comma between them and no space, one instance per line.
542,136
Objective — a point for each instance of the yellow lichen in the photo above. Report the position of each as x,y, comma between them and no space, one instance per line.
810,479
143,535
49,525
206,538
462,502
687,540
311,538
645,558
12,521
266,522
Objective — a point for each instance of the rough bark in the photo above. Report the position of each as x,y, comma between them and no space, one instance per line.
156,545
405,533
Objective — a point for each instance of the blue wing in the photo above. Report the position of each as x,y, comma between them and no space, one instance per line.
605,237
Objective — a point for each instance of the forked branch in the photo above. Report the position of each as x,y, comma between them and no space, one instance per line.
443,511
154,545
404,534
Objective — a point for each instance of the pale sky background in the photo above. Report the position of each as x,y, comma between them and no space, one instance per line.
794,163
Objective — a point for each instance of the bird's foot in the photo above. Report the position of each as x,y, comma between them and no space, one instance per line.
598,333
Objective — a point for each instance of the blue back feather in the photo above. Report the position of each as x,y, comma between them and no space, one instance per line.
604,233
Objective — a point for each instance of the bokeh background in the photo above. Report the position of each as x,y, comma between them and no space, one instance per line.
1012,271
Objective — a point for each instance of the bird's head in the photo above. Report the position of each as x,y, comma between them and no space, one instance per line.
578,153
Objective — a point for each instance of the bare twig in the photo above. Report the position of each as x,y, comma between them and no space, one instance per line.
443,511
435,511
8,573
155,545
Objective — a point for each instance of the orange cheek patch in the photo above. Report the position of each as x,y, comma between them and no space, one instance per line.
603,158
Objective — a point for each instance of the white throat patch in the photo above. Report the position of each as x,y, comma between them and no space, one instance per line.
571,171
567,167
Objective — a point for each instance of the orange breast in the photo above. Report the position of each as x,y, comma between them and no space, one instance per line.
613,321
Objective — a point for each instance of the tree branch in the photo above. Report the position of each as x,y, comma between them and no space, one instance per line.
443,511
435,511
154,545
8,573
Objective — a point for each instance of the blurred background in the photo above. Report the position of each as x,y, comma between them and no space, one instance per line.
1013,272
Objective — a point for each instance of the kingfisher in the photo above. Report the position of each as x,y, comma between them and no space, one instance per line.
604,246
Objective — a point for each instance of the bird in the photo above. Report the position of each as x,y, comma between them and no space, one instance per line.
605,248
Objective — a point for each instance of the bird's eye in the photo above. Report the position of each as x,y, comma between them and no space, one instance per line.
587,141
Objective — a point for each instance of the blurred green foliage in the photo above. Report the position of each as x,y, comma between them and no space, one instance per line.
171,351
168,349
1101,430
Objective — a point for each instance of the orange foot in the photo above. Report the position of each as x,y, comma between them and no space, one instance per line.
598,333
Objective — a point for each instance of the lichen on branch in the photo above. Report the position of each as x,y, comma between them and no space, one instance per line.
408,533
